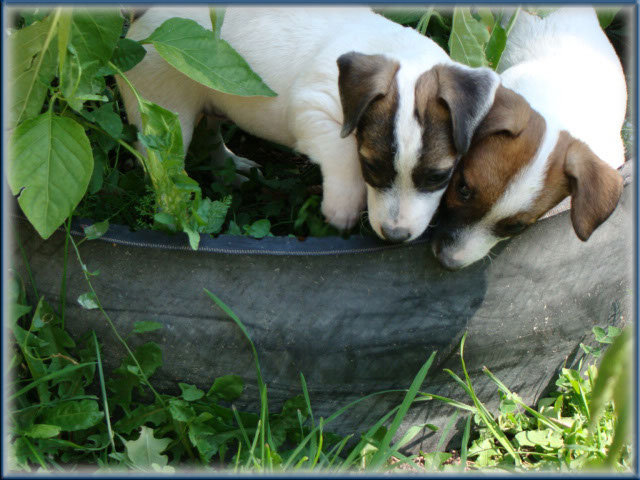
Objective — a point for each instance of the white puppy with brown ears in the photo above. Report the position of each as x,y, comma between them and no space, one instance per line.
553,131
382,109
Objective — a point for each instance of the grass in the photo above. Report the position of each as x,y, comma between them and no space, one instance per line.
64,416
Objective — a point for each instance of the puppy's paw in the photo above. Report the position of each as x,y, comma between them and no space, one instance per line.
342,203
244,164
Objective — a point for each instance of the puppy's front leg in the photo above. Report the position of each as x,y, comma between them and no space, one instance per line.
344,190
220,153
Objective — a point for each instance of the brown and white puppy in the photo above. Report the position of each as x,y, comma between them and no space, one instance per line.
554,133
382,109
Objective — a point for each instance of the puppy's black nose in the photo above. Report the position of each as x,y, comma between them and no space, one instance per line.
395,235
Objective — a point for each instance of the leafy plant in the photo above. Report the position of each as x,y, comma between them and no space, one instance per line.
66,57
582,424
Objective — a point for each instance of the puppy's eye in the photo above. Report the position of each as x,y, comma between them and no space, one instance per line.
464,192
514,228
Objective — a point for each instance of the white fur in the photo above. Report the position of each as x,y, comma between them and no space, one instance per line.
294,50
567,70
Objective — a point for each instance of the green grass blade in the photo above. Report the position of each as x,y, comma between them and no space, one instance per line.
519,401
365,440
383,452
486,416
449,401
104,392
464,447
58,373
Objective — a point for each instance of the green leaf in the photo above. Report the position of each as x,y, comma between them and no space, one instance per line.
542,438
146,326
495,46
259,228
94,35
146,450
154,414
32,68
73,416
50,165
213,214
194,51
228,387
468,38
600,334
88,300
181,410
96,230
127,54
42,430
190,392
606,16
108,120
149,356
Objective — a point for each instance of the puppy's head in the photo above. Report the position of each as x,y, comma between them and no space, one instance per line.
516,170
411,128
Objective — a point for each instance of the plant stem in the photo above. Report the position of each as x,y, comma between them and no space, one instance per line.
63,286
113,327
104,392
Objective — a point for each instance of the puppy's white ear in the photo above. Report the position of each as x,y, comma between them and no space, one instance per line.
469,94
595,188
361,79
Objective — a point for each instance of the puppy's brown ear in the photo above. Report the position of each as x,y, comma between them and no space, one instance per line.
595,188
509,113
469,94
361,79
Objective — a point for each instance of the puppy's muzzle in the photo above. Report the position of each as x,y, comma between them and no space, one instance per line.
395,235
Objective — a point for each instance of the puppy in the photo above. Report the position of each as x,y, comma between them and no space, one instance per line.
382,109
553,131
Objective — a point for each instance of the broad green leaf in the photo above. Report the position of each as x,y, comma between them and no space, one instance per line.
94,35
146,326
190,392
495,46
95,231
162,138
32,15
122,384
211,215
42,430
88,300
403,16
127,54
73,416
542,438
468,38
606,16
181,410
259,228
108,120
33,64
228,387
154,414
50,164
194,51
146,450
64,33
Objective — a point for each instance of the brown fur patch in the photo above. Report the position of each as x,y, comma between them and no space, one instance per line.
438,151
376,140
505,142
362,79
595,188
